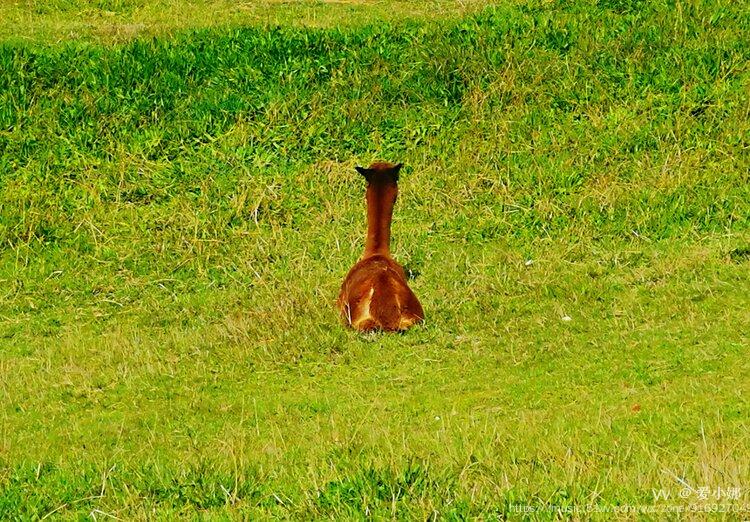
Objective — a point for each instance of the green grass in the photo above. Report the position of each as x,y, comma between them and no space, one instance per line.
178,210
113,21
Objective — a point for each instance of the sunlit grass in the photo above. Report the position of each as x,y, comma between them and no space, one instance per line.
177,213
113,21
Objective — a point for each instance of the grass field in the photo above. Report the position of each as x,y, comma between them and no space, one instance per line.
178,207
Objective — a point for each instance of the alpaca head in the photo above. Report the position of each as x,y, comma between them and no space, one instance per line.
381,173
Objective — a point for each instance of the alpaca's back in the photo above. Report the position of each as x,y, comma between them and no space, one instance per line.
375,296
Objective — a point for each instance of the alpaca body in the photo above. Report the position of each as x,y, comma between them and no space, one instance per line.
375,294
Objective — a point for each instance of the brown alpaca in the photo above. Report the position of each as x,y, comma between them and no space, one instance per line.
374,295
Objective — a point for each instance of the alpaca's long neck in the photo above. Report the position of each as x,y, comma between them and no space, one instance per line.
380,201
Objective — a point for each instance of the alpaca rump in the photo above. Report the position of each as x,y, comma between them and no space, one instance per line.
375,294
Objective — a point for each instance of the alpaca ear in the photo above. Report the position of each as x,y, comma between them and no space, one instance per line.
397,169
365,172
